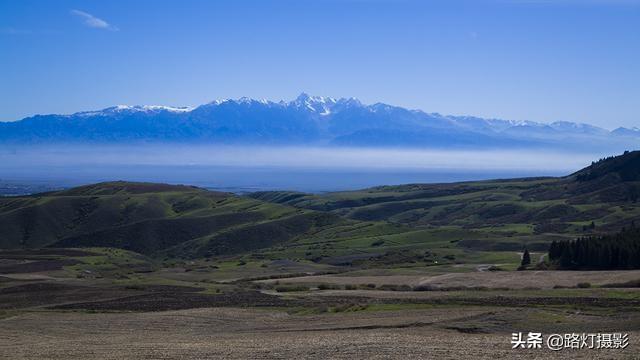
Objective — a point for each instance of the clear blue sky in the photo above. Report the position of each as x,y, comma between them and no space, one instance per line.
539,60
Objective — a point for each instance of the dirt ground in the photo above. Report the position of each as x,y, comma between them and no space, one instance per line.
51,315
228,333
495,279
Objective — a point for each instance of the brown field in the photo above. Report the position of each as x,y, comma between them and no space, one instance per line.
65,312
216,333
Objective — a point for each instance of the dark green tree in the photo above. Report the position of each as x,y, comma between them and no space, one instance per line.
614,251
526,258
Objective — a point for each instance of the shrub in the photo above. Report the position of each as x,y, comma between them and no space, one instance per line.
367,286
584,285
628,284
288,288
425,287
328,287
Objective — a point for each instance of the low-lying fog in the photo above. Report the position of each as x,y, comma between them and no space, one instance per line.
235,168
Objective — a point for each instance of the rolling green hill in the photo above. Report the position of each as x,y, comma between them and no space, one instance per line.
600,198
408,225
156,219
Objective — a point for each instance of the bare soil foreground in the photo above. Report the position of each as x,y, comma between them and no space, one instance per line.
115,305
229,333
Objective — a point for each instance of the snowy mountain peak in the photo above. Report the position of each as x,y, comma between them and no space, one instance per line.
309,119
134,109
316,104
307,99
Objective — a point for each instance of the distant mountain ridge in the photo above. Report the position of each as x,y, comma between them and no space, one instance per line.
308,120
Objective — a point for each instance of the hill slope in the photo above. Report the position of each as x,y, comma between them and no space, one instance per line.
473,222
153,219
605,193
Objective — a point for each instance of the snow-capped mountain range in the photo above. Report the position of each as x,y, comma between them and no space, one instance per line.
308,120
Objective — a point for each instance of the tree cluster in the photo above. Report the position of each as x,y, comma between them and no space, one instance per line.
616,251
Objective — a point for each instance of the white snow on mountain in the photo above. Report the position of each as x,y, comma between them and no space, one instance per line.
328,107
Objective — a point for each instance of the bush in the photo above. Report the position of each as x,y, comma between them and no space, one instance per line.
328,287
367,286
350,287
584,285
425,287
628,284
288,288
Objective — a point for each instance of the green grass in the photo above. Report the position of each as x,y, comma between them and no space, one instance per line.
111,262
479,222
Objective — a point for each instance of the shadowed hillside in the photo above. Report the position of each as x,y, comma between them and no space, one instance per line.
153,218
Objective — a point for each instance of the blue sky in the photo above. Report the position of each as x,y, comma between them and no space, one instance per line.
536,60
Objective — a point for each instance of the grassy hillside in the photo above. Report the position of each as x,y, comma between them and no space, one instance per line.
600,198
155,219
167,222
485,222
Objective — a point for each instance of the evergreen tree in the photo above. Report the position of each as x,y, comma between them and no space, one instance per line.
526,258
616,251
